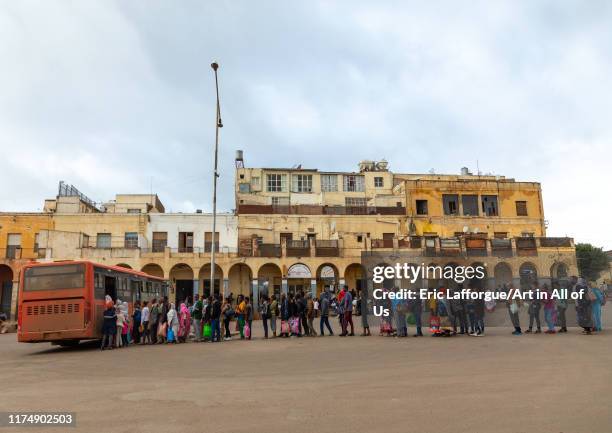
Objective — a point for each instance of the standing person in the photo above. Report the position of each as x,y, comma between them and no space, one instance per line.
310,315
584,312
479,313
598,299
340,307
285,315
325,304
184,324
347,306
273,314
294,317
163,320
514,303
136,322
363,310
198,307
264,312
550,310
145,322
228,313
458,313
240,317
248,315
173,323
300,303
416,305
215,319
561,309
400,319
109,326
535,305
207,319
120,322
153,321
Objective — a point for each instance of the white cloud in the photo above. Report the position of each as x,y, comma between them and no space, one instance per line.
112,95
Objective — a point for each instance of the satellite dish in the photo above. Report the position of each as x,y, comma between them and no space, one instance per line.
476,230
466,229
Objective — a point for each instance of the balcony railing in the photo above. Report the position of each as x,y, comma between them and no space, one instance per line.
298,248
501,247
555,242
526,247
269,250
327,248
320,210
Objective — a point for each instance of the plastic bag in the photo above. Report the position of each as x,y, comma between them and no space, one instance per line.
207,330
247,331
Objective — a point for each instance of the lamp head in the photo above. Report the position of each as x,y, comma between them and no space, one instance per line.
215,66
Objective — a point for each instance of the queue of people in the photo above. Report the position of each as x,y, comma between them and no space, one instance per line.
160,322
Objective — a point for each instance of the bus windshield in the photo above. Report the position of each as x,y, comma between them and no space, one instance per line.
54,277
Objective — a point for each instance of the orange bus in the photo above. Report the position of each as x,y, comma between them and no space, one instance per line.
63,302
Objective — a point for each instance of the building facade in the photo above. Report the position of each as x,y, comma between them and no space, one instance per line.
300,229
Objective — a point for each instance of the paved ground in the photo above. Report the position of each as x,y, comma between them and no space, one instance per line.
499,383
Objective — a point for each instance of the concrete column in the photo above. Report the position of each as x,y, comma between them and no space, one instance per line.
255,291
226,291
284,286
196,287
14,300
313,287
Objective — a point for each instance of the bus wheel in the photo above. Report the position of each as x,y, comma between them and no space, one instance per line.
68,343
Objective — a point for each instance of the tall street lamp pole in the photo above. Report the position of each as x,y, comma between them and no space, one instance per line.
218,125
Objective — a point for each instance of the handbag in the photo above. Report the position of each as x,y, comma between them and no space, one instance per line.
411,320
161,330
514,308
284,327
295,325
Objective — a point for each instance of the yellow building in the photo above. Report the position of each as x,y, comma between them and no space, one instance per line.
19,244
301,229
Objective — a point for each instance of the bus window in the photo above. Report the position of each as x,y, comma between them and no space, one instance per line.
149,286
99,286
55,277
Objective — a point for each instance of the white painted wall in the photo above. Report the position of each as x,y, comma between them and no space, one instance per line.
173,223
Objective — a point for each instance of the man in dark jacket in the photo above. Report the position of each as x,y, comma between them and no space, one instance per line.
325,313
215,316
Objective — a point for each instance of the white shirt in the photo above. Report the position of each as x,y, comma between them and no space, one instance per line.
145,314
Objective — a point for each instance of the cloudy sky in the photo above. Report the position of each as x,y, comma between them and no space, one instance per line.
116,96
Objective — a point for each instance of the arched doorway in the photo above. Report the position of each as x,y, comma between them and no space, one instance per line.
153,269
529,275
355,277
240,278
270,279
181,276
124,265
6,289
502,274
204,278
298,278
559,274
327,276
478,283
